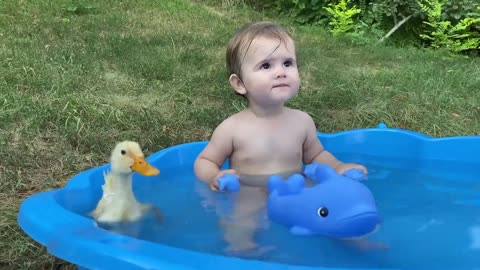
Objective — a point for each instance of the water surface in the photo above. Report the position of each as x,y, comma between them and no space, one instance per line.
429,222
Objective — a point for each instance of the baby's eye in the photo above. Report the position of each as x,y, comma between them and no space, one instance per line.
288,63
265,66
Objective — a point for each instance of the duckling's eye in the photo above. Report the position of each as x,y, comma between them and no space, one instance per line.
322,211
123,152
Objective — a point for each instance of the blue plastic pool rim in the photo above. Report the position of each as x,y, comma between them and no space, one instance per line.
77,239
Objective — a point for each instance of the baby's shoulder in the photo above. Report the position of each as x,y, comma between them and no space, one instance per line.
234,118
231,122
299,115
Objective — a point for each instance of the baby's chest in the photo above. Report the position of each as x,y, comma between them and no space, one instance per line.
264,142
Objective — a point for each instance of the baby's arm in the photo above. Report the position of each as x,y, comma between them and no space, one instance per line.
313,151
208,163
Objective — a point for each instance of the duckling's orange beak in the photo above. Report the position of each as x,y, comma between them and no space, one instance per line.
141,166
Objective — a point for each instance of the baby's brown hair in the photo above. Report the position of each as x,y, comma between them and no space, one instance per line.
243,38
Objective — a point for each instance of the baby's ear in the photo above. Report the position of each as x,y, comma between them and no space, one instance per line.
237,84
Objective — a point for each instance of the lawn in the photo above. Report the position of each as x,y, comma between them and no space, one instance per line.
78,76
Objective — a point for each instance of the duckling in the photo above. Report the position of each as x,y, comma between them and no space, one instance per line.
118,203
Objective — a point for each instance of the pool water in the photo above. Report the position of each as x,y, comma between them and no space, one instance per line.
429,222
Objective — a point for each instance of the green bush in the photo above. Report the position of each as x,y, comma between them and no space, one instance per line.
341,17
455,10
445,34
456,23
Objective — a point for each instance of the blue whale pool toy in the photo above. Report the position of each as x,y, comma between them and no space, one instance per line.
336,206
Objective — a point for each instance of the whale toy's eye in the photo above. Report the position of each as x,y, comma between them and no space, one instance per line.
322,211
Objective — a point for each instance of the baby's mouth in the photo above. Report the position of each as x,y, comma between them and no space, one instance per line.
280,85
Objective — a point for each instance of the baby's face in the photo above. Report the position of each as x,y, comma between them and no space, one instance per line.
269,71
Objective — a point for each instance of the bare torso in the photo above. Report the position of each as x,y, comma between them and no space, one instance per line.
268,145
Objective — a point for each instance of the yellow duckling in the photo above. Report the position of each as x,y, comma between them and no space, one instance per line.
118,202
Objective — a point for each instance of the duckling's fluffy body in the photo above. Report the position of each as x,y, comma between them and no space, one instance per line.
118,203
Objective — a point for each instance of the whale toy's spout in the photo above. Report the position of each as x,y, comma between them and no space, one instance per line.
337,206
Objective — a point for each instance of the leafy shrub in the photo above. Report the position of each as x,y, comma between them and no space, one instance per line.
444,34
342,16
403,17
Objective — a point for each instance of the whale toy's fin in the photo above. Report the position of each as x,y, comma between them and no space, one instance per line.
319,172
293,185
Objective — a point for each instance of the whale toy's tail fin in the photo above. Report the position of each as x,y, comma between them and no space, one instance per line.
293,185
319,172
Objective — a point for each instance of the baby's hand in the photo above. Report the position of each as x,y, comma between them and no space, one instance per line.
342,168
214,186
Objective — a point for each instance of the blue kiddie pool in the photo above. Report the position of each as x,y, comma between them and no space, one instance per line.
427,191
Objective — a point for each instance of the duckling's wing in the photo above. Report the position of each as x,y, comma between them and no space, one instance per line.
108,191
109,182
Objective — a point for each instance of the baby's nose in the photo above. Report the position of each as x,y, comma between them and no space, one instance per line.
281,72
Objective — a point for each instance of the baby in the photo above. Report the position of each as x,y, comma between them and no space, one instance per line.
267,137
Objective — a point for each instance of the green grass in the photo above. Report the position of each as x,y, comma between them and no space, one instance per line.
76,77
